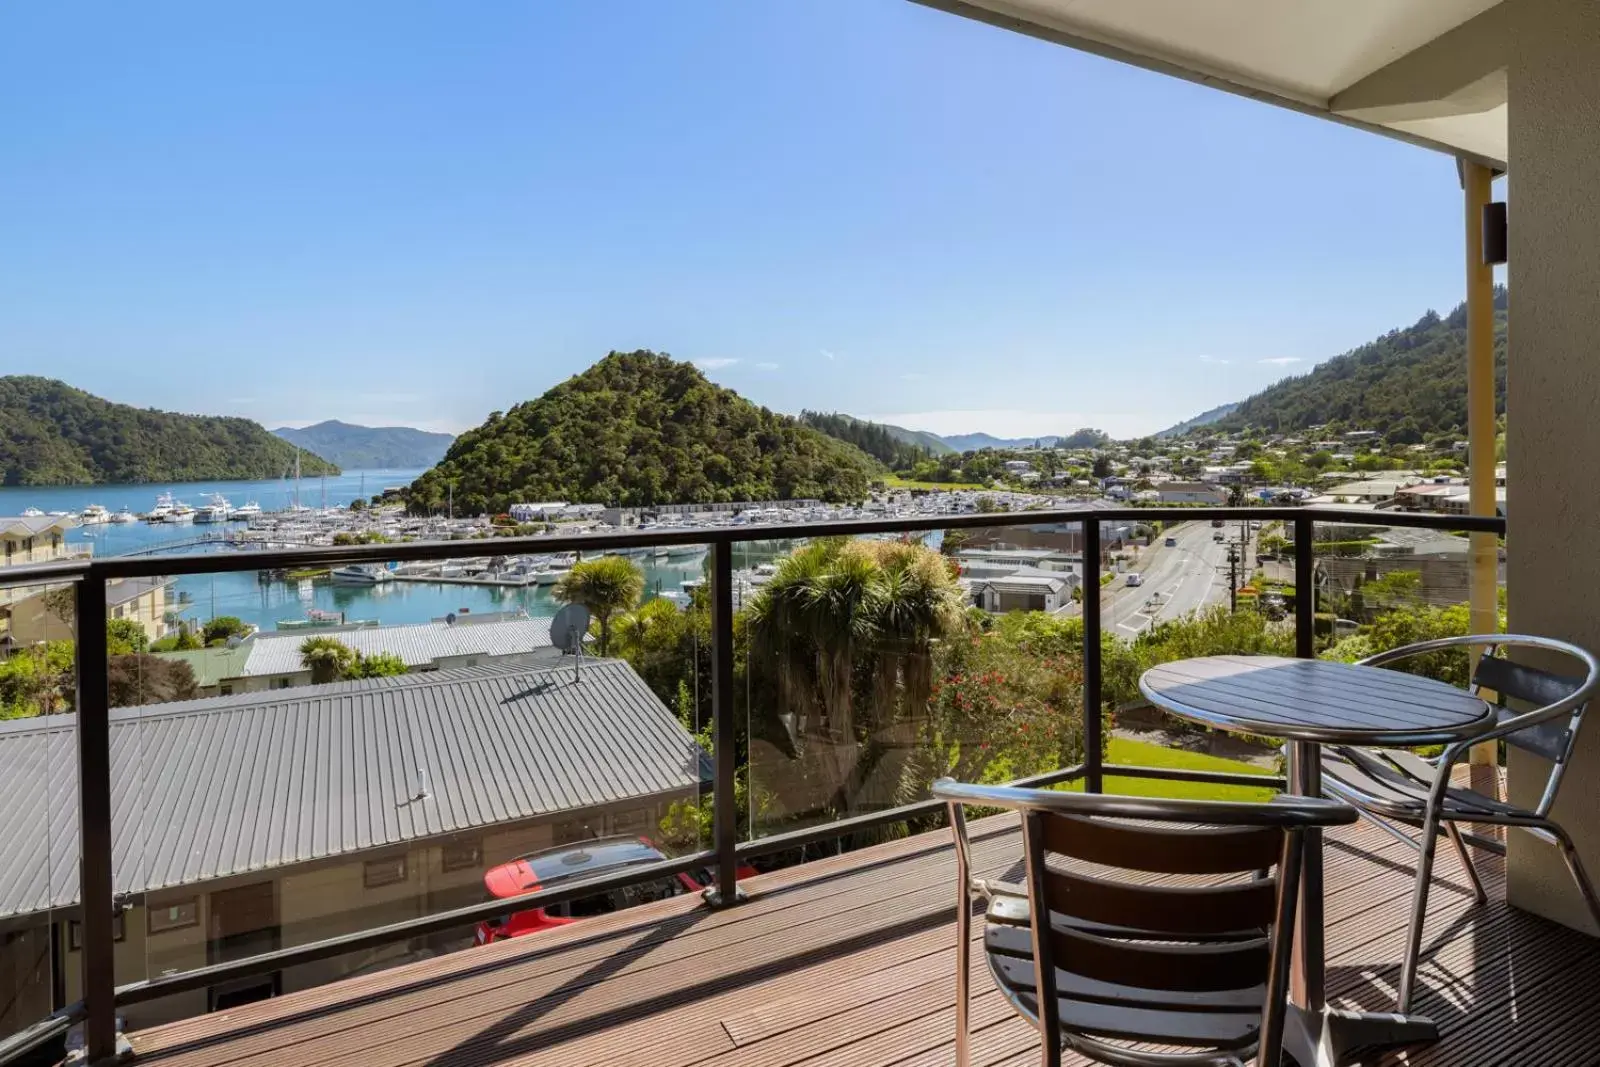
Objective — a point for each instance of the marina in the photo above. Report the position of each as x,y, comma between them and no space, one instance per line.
245,516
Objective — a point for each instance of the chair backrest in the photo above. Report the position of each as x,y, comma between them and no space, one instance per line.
1551,739
1194,950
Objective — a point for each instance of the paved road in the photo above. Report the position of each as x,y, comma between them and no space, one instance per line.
1177,580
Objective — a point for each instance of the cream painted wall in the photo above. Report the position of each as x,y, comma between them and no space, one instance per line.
1553,395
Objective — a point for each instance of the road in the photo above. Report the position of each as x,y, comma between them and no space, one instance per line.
1177,580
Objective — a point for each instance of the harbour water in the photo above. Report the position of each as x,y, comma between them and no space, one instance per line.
265,603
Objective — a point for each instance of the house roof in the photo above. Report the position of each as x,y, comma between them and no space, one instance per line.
207,789
34,525
1431,72
130,589
1021,584
211,665
418,644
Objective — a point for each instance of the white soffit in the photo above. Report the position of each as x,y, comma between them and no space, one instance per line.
1297,53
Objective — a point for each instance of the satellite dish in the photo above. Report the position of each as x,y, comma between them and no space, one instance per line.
569,628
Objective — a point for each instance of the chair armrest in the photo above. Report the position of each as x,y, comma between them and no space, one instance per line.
1286,812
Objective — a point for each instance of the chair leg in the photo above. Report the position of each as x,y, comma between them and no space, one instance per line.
1419,913
1579,874
1466,861
963,971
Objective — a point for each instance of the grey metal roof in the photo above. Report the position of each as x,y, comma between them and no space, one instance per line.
132,588
206,789
418,644
34,525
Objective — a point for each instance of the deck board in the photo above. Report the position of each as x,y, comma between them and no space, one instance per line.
849,962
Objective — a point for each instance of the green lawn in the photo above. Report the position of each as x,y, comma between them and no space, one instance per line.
1144,754
896,482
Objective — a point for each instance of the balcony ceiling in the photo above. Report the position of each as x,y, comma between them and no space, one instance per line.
1426,71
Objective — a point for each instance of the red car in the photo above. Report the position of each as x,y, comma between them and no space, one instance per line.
552,866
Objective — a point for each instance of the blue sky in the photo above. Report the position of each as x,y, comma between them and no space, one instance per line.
399,212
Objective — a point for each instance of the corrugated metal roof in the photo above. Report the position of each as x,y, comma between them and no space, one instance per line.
206,789
418,644
132,589
34,525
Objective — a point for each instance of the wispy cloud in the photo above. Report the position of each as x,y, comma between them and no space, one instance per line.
389,398
766,366
1214,359
1280,361
829,356
714,364
912,376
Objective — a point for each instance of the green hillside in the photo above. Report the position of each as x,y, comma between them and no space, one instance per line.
1408,384
892,446
639,428
53,434
369,447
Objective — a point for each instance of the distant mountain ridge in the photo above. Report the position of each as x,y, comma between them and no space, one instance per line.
369,447
1205,418
54,434
971,442
638,429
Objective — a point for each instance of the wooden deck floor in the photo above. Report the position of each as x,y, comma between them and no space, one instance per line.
848,963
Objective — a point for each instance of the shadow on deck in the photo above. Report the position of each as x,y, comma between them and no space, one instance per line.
848,962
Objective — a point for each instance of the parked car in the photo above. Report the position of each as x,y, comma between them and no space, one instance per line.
1135,578
552,866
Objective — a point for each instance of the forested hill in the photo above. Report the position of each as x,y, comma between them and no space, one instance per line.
1408,384
892,445
639,428
369,447
53,434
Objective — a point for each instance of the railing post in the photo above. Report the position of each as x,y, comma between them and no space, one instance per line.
725,811
1092,741
1305,587
94,823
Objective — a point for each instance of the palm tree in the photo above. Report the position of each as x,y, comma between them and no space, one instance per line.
605,586
326,658
848,629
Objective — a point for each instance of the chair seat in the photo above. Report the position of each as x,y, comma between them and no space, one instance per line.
1396,783
1227,1021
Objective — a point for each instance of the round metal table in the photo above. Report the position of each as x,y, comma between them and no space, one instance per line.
1310,703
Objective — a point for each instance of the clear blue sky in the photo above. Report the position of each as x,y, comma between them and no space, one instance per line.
399,212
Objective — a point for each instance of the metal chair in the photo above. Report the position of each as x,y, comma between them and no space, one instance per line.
1389,786
1118,963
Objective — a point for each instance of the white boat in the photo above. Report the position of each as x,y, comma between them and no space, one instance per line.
124,516
32,513
94,515
360,574
247,511
162,510
685,551
180,513
216,509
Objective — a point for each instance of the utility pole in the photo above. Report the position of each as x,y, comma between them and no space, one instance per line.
1236,554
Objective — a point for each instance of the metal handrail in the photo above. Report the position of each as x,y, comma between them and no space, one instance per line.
101,995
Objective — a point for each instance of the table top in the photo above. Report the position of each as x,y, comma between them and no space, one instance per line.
1315,700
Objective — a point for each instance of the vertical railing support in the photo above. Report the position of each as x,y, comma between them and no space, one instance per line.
94,823
1305,588
1093,743
725,810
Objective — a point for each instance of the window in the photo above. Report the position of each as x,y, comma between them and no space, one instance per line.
384,872
462,855
225,690
281,683
119,932
174,916
119,612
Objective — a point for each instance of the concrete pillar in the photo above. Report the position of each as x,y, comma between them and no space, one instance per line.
1553,399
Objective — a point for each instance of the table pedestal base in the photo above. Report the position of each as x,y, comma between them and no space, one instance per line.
1327,1038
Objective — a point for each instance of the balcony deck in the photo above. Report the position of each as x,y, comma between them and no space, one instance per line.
848,962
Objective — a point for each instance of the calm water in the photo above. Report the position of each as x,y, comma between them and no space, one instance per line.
265,603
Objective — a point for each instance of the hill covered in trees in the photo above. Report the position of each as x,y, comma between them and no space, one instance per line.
1205,418
369,447
53,434
635,429
886,444
1408,384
